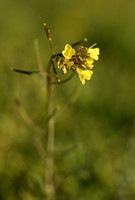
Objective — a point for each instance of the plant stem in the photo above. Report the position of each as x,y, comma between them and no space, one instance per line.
49,160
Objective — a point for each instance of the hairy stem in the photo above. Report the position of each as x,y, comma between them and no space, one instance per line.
49,160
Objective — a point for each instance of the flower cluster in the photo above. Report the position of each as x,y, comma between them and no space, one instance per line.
80,60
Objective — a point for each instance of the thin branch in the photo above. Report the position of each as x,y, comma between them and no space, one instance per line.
38,146
49,159
71,100
53,113
38,58
65,80
55,72
24,71
80,42
27,118
37,141
49,38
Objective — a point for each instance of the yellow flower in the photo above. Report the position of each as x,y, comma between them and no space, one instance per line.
80,60
89,62
68,51
84,74
93,53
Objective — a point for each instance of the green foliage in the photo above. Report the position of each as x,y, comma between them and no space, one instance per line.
101,122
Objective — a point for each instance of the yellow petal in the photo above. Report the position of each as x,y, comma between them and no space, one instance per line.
89,63
84,74
68,51
93,53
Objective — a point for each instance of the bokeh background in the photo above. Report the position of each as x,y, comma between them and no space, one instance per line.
99,128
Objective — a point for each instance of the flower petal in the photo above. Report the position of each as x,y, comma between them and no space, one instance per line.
93,53
68,51
84,74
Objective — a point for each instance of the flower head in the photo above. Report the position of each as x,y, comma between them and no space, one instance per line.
80,60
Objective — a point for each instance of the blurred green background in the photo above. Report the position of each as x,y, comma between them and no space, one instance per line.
102,119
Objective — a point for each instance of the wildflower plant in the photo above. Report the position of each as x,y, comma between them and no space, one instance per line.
80,60
76,58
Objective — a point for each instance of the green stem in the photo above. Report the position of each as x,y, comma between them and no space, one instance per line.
49,160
